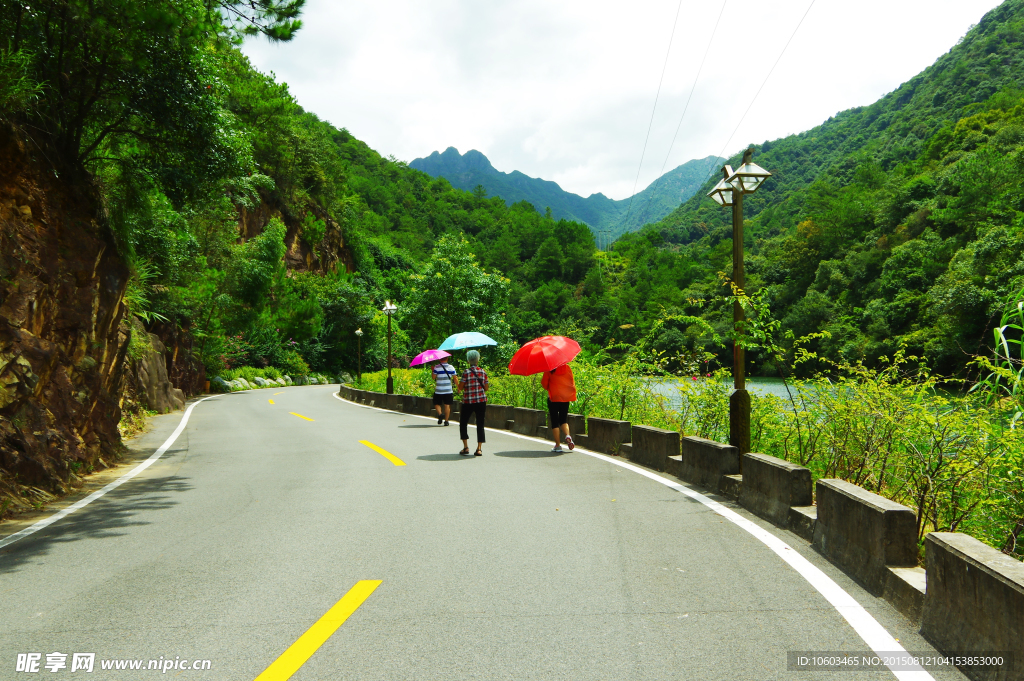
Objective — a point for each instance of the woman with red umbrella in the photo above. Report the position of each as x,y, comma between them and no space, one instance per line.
561,389
551,355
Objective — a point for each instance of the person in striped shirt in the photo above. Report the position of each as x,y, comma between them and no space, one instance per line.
443,375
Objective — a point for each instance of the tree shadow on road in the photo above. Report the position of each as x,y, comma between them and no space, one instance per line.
529,454
108,516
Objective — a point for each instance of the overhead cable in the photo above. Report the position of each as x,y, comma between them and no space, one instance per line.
656,96
693,87
736,129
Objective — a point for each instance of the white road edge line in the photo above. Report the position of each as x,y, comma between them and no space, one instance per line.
873,633
46,522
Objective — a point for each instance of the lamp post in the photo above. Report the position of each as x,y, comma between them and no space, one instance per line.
389,309
359,352
729,192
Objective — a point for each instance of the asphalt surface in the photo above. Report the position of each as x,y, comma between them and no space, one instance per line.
520,564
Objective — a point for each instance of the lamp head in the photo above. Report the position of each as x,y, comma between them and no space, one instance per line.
389,308
722,192
749,176
359,332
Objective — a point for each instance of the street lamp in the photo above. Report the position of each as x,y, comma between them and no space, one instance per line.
729,192
359,344
389,309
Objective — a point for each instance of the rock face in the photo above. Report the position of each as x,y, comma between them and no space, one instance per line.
152,383
183,369
330,255
62,349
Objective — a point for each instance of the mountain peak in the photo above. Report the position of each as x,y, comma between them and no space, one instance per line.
466,171
451,163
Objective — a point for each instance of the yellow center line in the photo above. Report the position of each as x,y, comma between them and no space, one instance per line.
300,651
271,401
386,454
279,393
300,416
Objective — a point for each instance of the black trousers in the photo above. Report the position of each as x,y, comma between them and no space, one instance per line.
478,408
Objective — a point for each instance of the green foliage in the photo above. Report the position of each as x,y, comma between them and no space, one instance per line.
137,294
1003,382
313,231
18,90
138,341
455,294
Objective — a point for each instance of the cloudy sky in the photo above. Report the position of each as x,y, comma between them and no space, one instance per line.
564,90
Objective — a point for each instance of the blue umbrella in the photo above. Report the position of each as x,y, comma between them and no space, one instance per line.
468,339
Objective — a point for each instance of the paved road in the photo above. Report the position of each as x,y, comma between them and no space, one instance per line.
520,564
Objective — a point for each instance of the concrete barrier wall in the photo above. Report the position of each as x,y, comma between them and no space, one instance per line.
705,462
975,602
606,435
425,406
498,416
863,533
577,423
652,446
527,421
772,486
411,404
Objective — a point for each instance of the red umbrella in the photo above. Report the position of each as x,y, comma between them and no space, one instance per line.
543,354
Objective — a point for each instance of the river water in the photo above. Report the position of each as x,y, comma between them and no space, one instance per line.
758,386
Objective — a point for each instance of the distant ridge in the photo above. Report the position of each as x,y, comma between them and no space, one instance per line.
466,171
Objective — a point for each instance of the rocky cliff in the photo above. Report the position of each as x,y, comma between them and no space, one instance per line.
62,346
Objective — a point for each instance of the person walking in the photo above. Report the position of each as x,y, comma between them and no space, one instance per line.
443,375
561,389
473,384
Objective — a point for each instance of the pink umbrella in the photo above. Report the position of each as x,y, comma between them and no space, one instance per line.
428,356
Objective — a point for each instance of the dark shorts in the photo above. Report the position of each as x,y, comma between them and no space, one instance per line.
443,398
558,412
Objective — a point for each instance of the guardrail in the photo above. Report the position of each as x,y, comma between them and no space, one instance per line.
969,598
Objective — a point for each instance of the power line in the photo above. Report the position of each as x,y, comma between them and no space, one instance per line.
656,96
685,109
768,76
763,83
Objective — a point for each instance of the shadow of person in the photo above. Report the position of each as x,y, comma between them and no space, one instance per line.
444,457
529,454
423,425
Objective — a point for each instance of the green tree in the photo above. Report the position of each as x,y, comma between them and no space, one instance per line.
454,294
547,263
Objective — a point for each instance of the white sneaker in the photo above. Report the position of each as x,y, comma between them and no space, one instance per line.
568,441
557,448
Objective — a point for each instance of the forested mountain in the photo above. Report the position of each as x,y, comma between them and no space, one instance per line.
889,224
472,169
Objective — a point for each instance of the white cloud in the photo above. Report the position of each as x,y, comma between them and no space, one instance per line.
564,91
